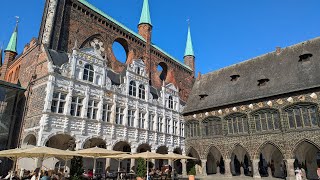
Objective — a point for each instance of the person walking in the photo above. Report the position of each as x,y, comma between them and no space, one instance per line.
298,174
318,173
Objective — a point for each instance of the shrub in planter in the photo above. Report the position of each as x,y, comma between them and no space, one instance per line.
192,172
76,170
141,168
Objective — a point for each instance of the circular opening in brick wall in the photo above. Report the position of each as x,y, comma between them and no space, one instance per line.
162,70
120,50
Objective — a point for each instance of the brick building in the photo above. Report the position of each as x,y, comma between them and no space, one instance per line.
260,117
79,95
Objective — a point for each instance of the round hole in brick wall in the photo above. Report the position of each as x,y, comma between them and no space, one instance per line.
162,70
119,52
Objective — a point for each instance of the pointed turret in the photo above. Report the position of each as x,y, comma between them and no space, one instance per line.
10,52
145,25
189,58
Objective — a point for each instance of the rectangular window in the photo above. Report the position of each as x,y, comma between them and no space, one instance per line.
168,121
92,109
58,102
131,118
174,127
119,115
181,129
106,112
159,124
151,122
141,120
76,106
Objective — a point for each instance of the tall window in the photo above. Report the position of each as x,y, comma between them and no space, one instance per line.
142,92
106,112
174,127
212,126
170,102
168,121
132,88
266,119
159,123
88,73
58,102
151,121
92,109
131,118
193,128
302,115
237,123
141,120
76,106
182,129
119,115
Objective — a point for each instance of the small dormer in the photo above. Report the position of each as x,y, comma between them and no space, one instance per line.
138,67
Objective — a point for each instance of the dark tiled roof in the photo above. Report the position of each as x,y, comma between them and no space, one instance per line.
114,77
283,70
58,58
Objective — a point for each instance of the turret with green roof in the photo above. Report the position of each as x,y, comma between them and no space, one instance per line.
145,14
12,45
189,57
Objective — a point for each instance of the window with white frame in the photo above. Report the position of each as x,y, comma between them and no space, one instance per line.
141,120
170,104
92,109
151,122
106,112
142,92
159,123
131,118
182,129
303,115
175,127
76,106
119,115
58,102
88,73
132,88
168,121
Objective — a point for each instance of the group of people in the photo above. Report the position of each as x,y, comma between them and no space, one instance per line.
44,175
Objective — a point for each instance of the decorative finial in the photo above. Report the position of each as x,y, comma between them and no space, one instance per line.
17,19
188,20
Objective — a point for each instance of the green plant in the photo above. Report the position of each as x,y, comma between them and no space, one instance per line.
76,168
141,168
192,170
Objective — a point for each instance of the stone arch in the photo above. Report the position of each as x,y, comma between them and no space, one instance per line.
143,148
177,164
240,160
162,149
271,160
46,139
192,152
178,150
114,145
162,70
257,152
30,139
125,45
215,162
94,142
86,42
61,141
306,154
125,164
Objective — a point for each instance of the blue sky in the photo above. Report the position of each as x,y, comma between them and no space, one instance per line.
224,32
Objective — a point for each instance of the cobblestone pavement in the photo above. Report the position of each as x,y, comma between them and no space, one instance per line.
214,177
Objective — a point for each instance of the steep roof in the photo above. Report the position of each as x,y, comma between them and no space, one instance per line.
58,58
145,14
189,46
84,2
278,73
12,45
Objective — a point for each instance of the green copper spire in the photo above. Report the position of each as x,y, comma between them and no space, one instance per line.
189,47
145,14
12,46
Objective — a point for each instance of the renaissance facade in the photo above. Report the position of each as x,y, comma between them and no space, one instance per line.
258,118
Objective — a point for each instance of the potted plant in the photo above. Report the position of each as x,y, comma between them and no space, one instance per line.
141,169
192,172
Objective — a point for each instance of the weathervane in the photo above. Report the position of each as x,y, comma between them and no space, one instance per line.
17,19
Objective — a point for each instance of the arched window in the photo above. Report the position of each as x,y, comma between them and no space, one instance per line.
266,119
237,123
142,92
212,126
170,102
132,88
193,129
302,115
88,73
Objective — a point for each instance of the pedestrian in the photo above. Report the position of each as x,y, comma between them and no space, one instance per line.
318,172
298,174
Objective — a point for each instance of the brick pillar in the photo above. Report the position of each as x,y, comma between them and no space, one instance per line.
227,168
204,166
255,168
290,169
9,56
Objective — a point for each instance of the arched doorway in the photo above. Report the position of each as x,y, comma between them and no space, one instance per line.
62,141
177,164
89,162
30,140
190,163
307,157
214,164
240,161
271,162
144,148
124,164
160,162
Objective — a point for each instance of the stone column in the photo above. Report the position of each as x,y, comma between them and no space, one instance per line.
255,169
133,161
227,168
269,172
241,170
290,169
218,170
184,167
204,166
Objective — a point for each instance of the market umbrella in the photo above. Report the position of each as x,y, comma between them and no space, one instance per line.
175,157
97,152
119,157
146,155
